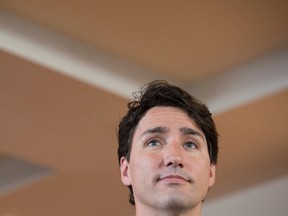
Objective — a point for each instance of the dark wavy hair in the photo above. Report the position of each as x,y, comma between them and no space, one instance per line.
161,93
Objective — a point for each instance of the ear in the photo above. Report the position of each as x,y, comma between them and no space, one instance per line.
212,176
125,172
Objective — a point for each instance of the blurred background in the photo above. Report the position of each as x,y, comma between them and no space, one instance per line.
68,69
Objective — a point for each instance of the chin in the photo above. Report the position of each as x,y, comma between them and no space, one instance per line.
177,202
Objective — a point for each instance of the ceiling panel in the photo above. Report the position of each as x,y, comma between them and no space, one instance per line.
184,41
253,144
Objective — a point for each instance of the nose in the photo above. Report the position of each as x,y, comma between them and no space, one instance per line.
173,155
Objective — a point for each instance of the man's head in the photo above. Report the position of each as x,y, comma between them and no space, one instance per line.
160,97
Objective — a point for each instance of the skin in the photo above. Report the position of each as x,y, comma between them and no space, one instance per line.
169,167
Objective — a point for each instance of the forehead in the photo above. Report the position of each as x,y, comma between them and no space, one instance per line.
171,117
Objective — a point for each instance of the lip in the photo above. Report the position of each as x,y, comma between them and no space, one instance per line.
176,179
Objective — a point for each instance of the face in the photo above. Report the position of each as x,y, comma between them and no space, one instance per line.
169,164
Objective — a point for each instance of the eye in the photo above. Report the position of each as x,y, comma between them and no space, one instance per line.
191,145
153,143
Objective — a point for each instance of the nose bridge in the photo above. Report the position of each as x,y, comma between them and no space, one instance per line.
173,153
174,147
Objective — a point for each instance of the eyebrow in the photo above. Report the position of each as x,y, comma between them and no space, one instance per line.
184,130
191,131
160,130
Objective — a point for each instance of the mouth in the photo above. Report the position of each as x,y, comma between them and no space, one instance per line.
174,179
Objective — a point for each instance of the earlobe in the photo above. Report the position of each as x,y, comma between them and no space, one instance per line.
124,169
212,175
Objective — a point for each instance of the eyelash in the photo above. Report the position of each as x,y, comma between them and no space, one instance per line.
156,140
194,143
153,141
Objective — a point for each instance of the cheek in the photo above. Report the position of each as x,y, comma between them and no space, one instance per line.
199,167
143,164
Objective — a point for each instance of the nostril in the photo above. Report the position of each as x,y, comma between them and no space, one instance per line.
175,162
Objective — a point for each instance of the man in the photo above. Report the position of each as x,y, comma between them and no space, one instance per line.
168,147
